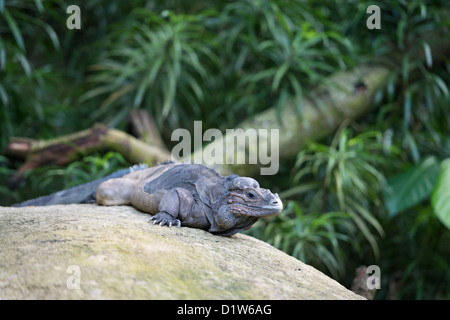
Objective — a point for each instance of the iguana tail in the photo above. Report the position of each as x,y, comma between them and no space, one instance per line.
84,193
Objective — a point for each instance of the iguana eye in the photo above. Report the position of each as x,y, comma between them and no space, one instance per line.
251,195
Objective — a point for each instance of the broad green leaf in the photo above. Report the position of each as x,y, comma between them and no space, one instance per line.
440,200
411,186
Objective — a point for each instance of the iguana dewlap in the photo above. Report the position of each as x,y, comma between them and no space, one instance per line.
192,195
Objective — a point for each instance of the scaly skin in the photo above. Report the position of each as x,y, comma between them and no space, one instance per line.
189,195
192,195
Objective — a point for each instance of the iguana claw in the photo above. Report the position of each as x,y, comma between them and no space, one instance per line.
162,219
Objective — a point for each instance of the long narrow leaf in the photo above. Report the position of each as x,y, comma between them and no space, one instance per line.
14,29
279,76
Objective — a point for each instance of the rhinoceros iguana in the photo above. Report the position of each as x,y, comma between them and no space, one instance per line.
190,195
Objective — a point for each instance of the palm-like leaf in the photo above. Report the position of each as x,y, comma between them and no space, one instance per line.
156,63
347,170
313,238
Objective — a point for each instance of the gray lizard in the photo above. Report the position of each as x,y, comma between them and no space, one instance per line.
190,195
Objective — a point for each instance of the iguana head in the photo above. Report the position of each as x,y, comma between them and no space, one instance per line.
247,198
236,203
242,204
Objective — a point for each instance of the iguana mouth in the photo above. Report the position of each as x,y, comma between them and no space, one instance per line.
265,211
278,206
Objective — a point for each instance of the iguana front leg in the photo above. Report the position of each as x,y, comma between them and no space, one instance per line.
171,204
176,207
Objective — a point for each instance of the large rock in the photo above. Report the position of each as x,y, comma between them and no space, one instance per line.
94,252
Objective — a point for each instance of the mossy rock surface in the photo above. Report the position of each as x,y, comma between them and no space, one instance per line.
87,251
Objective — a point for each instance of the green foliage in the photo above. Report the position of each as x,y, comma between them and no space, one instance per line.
417,90
180,65
34,97
279,46
416,262
336,190
346,177
16,70
411,186
87,169
416,103
384,183
156,61
426,229
314,238
441,195
49,179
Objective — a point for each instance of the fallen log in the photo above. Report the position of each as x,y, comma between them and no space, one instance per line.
352,97
65,149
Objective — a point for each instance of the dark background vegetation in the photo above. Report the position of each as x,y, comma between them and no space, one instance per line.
373,192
